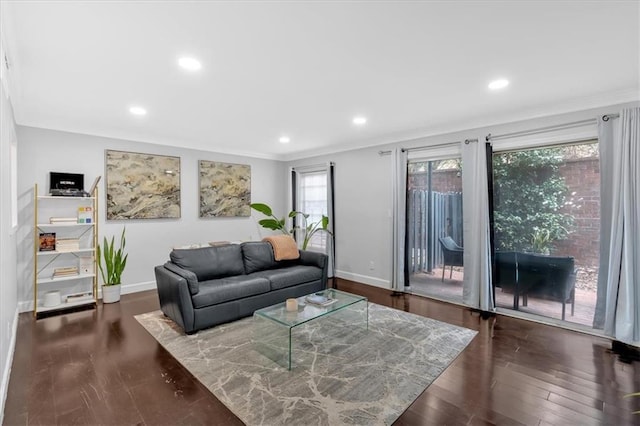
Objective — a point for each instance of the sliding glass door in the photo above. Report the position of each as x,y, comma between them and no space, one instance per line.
434,226
546,230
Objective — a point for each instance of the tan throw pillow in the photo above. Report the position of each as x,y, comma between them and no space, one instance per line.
284,247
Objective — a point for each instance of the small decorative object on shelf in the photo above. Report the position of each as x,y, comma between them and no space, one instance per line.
52,299
85,264
47,241
85,214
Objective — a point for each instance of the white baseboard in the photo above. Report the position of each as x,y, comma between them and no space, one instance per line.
133,288
6,372
365,279
27,306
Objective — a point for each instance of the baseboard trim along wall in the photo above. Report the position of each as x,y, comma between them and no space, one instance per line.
365,279
6,371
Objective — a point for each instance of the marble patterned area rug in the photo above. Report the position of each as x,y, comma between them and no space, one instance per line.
341,374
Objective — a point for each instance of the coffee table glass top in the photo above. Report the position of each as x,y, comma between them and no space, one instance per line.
308,311
274,326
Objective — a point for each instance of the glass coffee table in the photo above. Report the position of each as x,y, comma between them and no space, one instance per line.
274,326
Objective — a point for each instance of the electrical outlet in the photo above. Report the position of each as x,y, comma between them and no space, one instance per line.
372,265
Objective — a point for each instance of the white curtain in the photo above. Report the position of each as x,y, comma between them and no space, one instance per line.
618,305
399,197
477,291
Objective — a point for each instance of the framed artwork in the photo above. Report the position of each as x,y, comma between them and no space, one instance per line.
225,189
142,186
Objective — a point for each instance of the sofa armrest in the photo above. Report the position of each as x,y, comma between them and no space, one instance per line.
319,260
313,258
175,299
190,277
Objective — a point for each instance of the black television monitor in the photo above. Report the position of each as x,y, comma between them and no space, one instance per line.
66,181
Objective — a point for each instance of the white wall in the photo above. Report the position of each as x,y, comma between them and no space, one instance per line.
363,193
148,241
8,294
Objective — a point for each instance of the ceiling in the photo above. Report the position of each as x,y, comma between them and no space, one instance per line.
305,69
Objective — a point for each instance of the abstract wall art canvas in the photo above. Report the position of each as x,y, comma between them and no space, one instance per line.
225,189
142,186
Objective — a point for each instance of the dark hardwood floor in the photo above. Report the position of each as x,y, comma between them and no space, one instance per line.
102,367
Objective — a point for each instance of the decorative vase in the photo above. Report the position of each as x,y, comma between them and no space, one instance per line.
111,293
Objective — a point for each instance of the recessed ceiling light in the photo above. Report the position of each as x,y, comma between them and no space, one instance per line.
498,84
359,120
285,139
136,110
189,64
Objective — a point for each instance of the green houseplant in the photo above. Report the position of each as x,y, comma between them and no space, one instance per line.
115,260
309,229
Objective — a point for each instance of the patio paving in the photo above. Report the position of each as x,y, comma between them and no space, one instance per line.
451,289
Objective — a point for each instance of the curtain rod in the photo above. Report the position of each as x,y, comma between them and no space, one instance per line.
313,166
545,129
422,148
439,145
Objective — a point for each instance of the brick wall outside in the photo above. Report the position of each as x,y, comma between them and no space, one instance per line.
442,181
582,177
583,180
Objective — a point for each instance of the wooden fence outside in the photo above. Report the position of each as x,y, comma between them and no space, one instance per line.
425,225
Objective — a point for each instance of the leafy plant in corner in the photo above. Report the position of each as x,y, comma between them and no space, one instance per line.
541,241
279,224
115,260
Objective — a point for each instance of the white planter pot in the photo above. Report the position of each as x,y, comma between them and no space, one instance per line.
111,293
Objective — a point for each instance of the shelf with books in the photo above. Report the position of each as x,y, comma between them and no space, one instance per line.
67,278
64,225
47,253
65,238
64,305
63,197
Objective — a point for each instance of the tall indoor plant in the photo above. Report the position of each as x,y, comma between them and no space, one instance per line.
308,229
115,260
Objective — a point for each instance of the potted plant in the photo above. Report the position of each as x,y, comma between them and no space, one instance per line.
114,264
307,229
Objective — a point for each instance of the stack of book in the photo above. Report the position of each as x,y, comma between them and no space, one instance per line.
67,244
62,220
76,297
65,271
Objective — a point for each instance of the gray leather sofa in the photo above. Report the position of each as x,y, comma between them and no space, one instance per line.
203,287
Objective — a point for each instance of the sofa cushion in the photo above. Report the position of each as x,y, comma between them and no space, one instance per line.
210,262
222,290
290,276
258,256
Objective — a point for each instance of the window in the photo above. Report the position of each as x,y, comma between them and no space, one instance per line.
311,198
